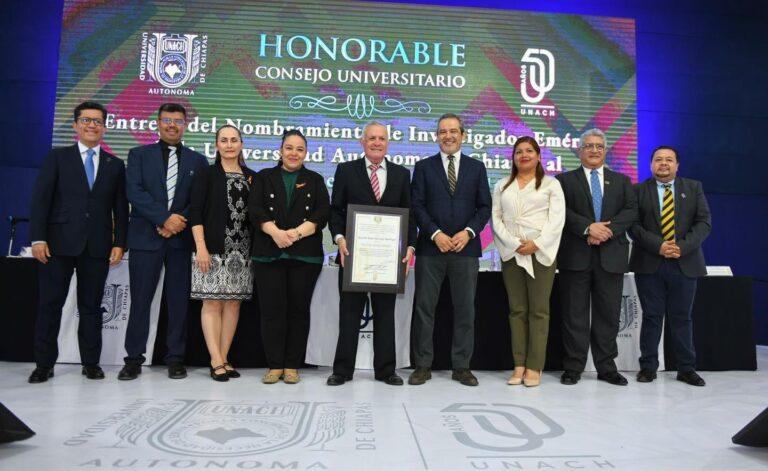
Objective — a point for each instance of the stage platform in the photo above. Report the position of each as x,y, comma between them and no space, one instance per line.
157,423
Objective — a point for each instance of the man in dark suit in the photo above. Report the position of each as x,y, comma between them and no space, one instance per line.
159,178
374,181
593,257
667,259
79,219
452,203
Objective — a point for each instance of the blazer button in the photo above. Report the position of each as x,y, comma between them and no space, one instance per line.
308,195
304,219
87,215
270,208
271,195
307,207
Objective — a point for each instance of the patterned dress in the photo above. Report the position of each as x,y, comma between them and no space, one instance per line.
230,275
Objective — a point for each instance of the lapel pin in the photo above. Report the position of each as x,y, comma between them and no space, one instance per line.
607,182
682,195
301,185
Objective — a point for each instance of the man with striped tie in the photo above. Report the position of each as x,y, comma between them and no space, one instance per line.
375,181
158,182
452,204
667,260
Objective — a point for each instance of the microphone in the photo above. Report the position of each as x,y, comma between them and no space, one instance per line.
14,220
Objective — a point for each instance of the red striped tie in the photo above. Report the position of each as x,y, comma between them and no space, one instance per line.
375,181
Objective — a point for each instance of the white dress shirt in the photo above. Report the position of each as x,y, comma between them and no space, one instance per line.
528,214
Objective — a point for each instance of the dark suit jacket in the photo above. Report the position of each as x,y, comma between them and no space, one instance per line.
148,195
435,208
269,202
209,205
692,225
619,207
68,215
351,185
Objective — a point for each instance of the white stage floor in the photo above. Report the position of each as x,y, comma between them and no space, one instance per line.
196,423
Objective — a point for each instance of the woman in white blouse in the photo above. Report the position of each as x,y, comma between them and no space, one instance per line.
527,219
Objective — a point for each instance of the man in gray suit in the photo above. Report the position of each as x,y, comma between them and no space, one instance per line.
593,257
667,260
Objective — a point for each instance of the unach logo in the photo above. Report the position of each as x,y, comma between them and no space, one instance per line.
173,59
537,74
503,428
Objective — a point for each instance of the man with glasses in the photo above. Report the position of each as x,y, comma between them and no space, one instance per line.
159,179
79,220
593,257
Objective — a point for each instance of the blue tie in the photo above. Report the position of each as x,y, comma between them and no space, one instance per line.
597,195
90,169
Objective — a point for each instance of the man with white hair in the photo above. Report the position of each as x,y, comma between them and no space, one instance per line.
593,257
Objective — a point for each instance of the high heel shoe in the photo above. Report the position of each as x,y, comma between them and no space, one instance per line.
517,376
219,376
231,371
534,381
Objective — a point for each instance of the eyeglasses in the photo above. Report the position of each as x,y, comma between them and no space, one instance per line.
177,122
597,147
87,121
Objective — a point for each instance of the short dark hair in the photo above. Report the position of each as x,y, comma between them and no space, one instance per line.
90,105
171,108
677,156
451,116
292,132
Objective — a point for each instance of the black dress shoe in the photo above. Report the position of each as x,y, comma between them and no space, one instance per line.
336,380
613,377
233,373
129,372
40,375
570,377
690,377
93,372
393,380
420,375
177,371
645,376
464,376
223,374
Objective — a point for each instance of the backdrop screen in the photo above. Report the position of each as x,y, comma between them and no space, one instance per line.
329,67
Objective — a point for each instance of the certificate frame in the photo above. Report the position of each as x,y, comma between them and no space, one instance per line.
397,228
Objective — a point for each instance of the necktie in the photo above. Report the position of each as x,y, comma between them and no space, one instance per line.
451,175
375,181
90,168
597,195
668,214
173,171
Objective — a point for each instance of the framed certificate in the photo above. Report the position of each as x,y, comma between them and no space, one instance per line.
376,241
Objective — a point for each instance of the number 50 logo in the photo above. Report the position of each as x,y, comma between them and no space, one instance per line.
537,73
500,427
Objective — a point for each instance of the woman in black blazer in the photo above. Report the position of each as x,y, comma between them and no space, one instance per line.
221,269
288,208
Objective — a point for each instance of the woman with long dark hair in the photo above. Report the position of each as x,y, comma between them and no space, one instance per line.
221,269
289,208
527,217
